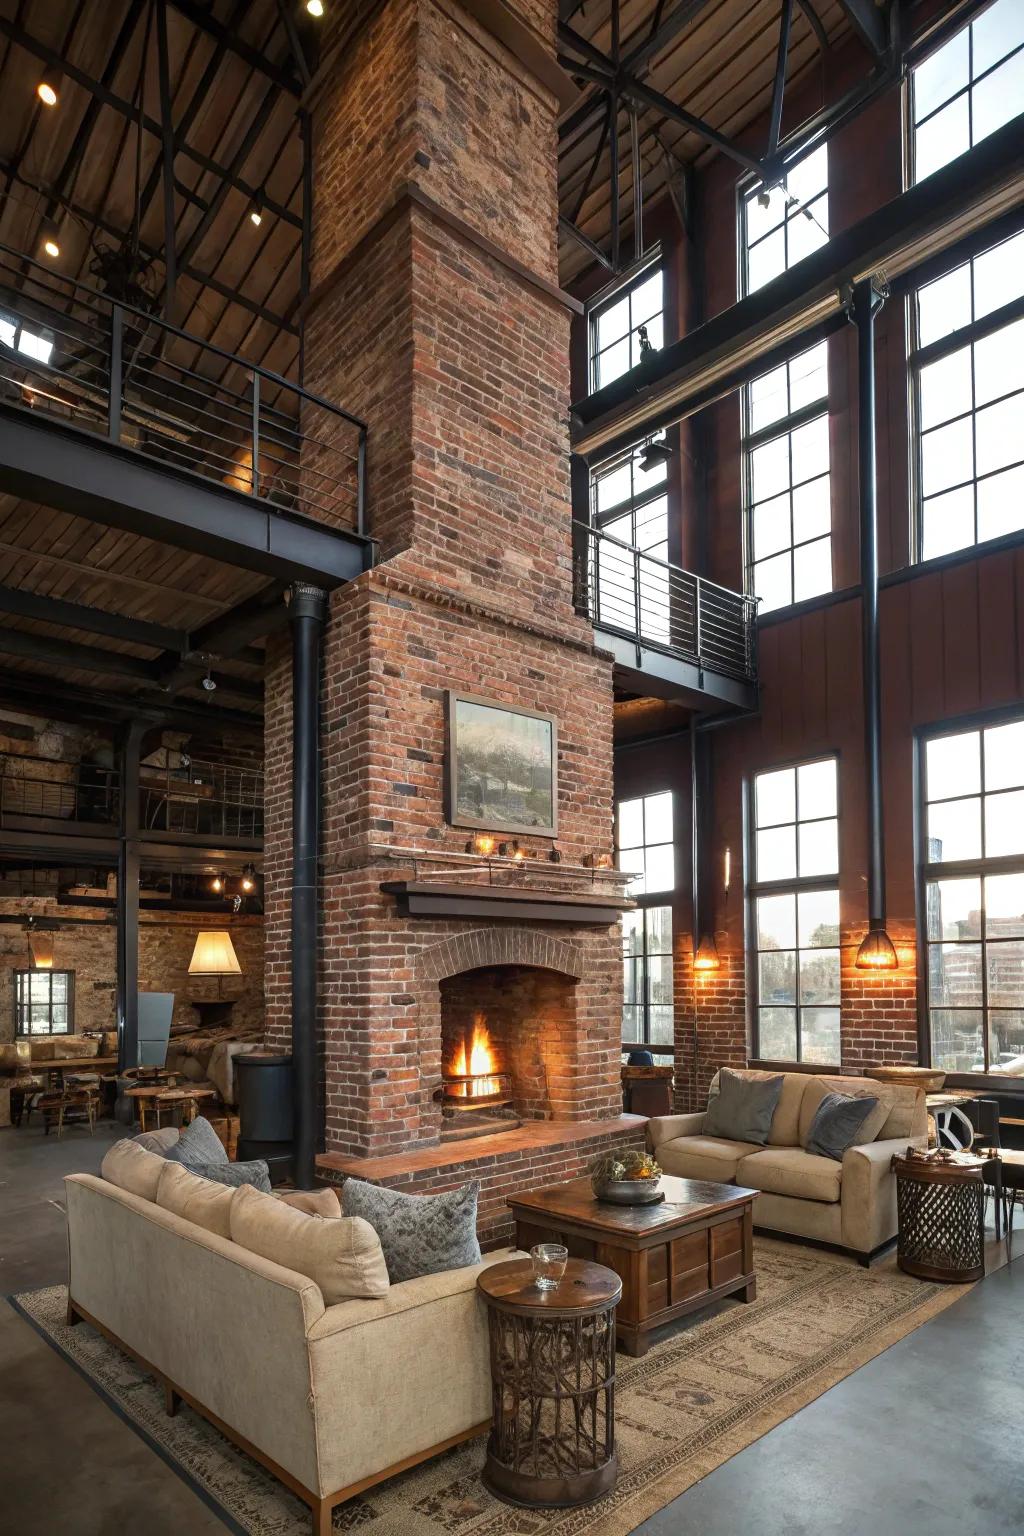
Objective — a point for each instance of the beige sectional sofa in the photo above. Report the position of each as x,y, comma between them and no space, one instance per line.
850,1204
331,1398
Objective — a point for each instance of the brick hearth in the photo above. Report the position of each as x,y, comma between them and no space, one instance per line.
435,314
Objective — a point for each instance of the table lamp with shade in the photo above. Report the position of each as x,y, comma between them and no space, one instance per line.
214,955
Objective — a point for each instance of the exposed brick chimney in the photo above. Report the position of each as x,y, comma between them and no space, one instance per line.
435,315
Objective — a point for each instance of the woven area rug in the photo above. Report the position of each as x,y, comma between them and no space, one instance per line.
694,1400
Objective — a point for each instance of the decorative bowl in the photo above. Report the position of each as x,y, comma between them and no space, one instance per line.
630,1191
917,1077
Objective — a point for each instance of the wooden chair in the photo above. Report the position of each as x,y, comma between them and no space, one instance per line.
70,1105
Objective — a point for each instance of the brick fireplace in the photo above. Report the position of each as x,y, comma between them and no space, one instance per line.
435,314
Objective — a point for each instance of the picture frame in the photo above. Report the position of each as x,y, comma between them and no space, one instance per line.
502,766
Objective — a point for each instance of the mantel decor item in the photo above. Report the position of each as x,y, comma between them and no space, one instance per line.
502,767
626,1178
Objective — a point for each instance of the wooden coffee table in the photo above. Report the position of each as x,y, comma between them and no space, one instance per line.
695,1247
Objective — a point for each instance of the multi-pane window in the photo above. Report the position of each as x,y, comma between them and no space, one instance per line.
967,367
645,847
782,226
788,484
630,507
968,88
43,1002
974,898
615,327
785,411
795,912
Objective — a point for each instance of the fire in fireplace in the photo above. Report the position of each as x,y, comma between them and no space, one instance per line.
476,1090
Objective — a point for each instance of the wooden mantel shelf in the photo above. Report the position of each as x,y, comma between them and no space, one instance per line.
425,898
534,1136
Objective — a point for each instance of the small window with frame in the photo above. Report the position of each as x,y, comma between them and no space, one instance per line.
44,1002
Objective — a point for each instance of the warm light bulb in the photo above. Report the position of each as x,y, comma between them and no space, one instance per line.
51,247
217,884
247,884
706,957
256,216
315,7
46,93
876,952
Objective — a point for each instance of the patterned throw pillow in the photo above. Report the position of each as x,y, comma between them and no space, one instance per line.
234,1175
198,1143
420,1234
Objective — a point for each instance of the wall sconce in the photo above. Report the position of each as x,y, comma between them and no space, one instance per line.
217,884
598,861
706,957
40,947
555,855
249,879
482,843
512,851
877,951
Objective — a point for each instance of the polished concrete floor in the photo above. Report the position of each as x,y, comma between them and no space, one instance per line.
926,1440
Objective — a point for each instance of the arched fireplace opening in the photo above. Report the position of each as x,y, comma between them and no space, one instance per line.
508,1049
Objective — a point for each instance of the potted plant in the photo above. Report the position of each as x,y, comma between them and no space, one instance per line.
626,1178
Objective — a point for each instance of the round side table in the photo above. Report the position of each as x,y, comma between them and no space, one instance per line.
552,1439
942,1217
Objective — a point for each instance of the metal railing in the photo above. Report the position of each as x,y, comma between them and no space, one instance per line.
41,788
70,352
202,797
660,605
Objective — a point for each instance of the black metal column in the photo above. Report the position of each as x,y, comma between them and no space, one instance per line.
308,613
127,908
701,795
866,302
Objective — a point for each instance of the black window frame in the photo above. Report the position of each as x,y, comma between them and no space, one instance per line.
23,1006
645,901
913,123
608,298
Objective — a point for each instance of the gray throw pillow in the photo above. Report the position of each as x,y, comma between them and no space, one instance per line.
420,1234
198,1143
836,1122
743,1107
234,1175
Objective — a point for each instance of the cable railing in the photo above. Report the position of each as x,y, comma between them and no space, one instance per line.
74,354
201,797
659,605
42,788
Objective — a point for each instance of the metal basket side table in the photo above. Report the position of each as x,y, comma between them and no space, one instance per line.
552,1439
942,1218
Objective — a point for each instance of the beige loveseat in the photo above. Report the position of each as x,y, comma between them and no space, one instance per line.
331,1399
851,1204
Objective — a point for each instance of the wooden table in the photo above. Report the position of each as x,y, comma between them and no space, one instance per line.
62,1064
941,1205
693,1248
160,1095
552,1440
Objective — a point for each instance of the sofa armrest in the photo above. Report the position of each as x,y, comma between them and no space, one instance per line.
669,1127
869,1192
405,1296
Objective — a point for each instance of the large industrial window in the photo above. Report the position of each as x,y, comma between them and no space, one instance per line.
629,504
968,88
794,910
973,877
789,508
43,1002
646,848
615,325
787,489
967,368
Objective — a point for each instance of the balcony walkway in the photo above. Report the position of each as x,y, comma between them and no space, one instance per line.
674,635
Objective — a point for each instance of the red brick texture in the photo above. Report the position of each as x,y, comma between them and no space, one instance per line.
436,178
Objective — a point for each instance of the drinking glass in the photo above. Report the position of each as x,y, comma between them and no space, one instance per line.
549,1261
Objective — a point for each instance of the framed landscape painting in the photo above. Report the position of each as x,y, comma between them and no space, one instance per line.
502,767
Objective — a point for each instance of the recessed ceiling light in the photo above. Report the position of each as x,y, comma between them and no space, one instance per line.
47,93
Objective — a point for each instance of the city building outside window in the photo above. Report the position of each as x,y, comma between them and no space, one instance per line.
785,412
794,913
972,844
43,1002
967,88
967,374
645,847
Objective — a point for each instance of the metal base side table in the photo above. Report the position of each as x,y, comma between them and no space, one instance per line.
552,1439
941,1205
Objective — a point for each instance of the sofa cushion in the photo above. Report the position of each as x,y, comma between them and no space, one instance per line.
159,1141
198,1144
234,1175
785,1130
703,1157
315,1202
420,1234
792,1171
131,1167
198,1200
855,1087
342,1255
743,1107
837,1122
